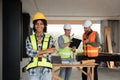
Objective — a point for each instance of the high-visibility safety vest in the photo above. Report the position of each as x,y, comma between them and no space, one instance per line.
35,61
90,51
65,52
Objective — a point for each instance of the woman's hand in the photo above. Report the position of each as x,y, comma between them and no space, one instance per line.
40,53
49,50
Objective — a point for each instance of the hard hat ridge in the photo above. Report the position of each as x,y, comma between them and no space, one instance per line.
39,15
87,23
67,26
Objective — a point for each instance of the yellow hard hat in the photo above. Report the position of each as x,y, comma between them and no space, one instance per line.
39,15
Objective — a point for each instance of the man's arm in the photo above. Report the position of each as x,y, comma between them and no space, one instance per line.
60,42
97,41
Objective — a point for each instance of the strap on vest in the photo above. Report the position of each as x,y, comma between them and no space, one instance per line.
39,62
46,41
33,41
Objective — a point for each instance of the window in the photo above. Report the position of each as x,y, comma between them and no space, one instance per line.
77,29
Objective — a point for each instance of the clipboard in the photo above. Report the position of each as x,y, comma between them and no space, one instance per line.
75,42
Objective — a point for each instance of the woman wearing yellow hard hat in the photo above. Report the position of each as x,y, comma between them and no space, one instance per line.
39,46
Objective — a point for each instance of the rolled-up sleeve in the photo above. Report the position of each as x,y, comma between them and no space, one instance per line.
51,43
60,42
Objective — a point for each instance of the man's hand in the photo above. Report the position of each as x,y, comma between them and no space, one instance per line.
86,41
67,44
73,48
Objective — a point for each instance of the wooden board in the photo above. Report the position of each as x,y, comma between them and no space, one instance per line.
108,45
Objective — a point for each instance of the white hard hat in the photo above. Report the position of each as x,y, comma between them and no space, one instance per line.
67,26
87,23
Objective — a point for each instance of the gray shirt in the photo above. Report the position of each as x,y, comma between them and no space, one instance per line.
60,42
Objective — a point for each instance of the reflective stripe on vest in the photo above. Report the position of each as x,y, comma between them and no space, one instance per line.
33,41
35,60
89,50
45,42
37,63
65,52
44,63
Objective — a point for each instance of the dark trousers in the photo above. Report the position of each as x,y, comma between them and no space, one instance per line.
84,77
